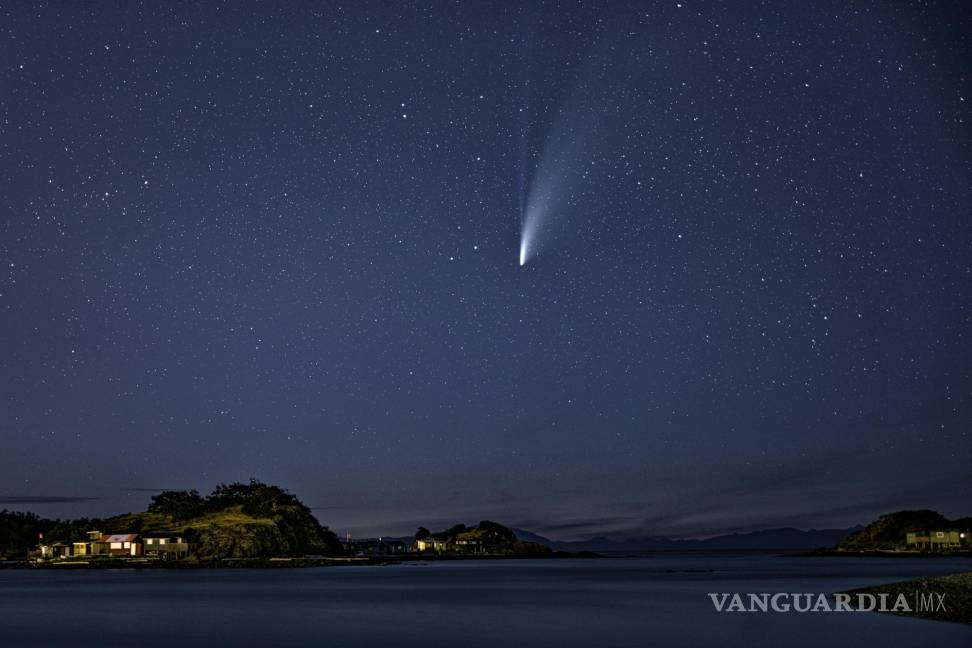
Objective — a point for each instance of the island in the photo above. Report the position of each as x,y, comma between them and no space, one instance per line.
241,524
487,538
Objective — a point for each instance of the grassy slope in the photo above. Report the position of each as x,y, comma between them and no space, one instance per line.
225,533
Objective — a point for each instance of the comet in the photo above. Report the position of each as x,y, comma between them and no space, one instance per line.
543,199
534,214
550,182
565,160
529,232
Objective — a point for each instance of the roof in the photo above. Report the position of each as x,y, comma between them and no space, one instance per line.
121,537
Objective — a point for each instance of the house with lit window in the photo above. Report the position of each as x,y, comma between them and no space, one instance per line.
90,547
102,544
55,550
121,544
165,546
430,544
374,547
115,545
937,539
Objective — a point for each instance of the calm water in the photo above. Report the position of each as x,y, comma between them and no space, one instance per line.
649,601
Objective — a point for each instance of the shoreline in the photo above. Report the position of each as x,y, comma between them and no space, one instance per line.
280,562
922,594
290,562
882,553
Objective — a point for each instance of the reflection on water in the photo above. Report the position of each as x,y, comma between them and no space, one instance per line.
652,600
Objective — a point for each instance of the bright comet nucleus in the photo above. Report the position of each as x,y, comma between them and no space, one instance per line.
527,236
530,226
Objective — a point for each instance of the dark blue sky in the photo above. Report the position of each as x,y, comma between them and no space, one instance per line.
243,240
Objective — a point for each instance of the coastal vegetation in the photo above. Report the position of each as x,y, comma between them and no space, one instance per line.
236,521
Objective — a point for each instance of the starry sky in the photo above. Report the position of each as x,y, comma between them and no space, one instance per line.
280,240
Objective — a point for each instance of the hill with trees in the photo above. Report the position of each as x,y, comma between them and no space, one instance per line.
890,530
487,538
239,520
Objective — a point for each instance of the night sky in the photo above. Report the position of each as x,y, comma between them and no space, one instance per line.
282,241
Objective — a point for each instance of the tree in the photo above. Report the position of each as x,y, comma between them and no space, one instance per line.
298,529
422,533
180,505
455,530
256,498
497,531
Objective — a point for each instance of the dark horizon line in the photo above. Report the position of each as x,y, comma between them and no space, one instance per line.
532,527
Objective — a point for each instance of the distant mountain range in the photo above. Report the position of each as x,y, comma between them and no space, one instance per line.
786,538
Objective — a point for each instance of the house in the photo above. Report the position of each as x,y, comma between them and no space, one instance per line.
395,547
937,539
379,547
431,544
121,544
467,544
165,546
946,539
56,550
101,544
90,547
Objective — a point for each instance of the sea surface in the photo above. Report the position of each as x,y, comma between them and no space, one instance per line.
650,600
